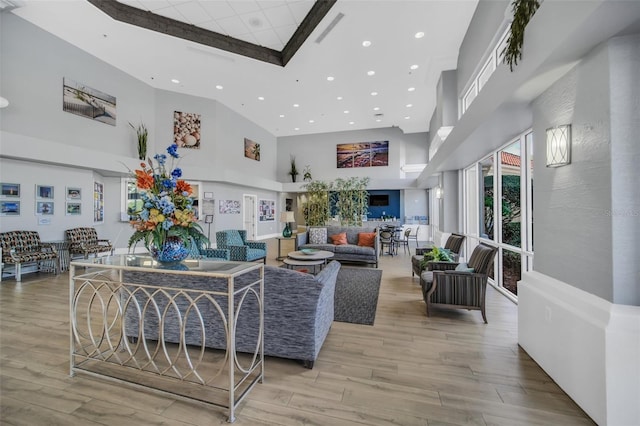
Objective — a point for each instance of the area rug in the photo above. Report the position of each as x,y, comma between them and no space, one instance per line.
356,296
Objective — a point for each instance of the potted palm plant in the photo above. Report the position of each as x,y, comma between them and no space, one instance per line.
294,170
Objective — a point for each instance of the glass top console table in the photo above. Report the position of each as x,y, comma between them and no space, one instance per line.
172,329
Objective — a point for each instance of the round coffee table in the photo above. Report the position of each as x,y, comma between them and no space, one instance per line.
299,258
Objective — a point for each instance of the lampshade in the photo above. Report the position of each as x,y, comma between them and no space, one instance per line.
287,217
559,146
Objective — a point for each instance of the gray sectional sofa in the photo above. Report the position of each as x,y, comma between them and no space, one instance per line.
350,252
298,312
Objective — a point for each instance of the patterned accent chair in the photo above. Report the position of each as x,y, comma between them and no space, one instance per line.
85,241
453,244
235,240
23,247
201,251
459,285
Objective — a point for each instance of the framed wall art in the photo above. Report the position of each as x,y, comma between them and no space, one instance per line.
362,154
74,193
251,149
44,208
80,99
9,208
186,129
10,190
98,202
229,207
74,209
266,210
44,191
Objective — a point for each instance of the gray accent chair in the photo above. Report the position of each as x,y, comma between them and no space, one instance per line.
298,312
454,285
453,244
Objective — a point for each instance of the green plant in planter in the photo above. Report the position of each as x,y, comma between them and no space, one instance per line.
523,11
143,134
436,255
294,170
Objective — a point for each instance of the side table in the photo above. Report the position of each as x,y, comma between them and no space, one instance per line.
63,253
280,240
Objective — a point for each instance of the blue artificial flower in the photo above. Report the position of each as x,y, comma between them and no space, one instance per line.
185,194
169,183
166,205
144,215
173,150
167,224
176,173
160,158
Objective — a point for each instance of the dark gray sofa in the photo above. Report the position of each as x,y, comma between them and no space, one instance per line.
350,252
298,312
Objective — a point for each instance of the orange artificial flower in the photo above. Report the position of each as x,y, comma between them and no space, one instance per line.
182,186
144,180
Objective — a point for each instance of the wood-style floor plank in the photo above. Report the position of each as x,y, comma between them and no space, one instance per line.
408,369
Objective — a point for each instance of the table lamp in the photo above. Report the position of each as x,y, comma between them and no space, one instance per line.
287,217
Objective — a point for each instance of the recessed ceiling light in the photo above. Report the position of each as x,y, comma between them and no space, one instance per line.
407,117
376,108
330,78
261,98
409,105
366,43
311,121
175,80
296,128
414,67
411,89
339,98
352,122
281,115
346,111
370,73
419,34
374,93
378,120
219,87
296,105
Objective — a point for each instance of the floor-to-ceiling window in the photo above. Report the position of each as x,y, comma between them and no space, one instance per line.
498,209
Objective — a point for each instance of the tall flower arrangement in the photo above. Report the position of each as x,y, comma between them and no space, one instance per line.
167,213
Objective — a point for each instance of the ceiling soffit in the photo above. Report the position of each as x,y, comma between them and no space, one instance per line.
144,19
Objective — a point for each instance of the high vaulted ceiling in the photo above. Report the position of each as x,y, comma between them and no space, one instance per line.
370,87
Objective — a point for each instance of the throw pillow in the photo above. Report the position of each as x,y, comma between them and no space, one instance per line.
463,267
318,236
339,239
367,239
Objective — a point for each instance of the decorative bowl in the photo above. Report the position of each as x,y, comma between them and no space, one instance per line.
309,250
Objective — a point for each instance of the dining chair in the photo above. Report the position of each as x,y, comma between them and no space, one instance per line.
404,241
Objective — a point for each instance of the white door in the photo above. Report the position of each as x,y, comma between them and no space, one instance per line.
249,216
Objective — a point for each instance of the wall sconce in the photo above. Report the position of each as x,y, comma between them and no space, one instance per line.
287,217
4,102
439,192
559,146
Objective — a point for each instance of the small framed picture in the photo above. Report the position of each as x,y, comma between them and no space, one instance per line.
10,208
10,190
208,196
74,209
74,193
44,191
44,207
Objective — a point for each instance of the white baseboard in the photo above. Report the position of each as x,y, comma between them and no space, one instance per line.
589,346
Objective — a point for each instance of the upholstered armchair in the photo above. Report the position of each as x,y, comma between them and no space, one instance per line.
85,241
235,240
453,244
459,285
24,247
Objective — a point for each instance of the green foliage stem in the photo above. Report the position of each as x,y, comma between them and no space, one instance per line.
523,11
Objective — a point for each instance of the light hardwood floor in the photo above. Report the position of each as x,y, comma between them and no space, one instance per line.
407,369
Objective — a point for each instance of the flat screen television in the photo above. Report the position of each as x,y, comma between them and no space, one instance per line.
378,200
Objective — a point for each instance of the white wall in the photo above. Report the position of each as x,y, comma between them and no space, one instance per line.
579,313
319,152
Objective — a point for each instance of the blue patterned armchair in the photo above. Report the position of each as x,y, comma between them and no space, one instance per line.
199,250
235,240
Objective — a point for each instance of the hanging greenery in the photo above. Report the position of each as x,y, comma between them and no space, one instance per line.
523,11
